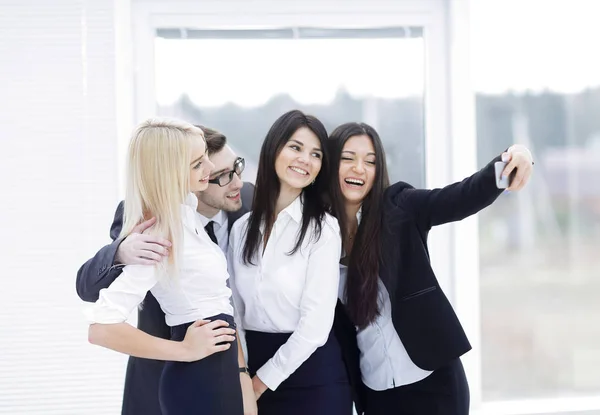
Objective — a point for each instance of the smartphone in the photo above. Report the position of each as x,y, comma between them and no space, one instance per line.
502,182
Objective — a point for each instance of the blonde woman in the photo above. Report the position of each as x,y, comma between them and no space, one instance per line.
167,164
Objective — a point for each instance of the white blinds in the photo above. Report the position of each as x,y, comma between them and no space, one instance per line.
58,175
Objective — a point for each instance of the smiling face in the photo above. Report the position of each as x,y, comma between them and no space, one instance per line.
357,168
228,197
200,166
299,161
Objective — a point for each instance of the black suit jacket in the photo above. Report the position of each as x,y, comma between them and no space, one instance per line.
422,315
142,378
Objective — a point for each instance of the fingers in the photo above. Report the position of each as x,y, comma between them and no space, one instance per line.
516,182
144,225
149,255
509,168
521,178
199,323
222,339
155,240
216,324
150,240
223,331
523,171
521,160
155,247
213,326
215,332
138,248
220,347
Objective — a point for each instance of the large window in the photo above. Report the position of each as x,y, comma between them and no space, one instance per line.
538,83
240,81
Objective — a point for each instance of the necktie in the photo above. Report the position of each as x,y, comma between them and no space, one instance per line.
210,230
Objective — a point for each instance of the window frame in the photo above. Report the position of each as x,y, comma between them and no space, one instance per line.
449,124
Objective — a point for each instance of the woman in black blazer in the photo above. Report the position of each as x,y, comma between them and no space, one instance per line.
405,337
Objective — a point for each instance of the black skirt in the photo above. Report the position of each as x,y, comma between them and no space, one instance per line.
444,392
210,386
318,387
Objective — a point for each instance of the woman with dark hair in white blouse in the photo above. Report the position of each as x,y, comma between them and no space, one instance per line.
284,269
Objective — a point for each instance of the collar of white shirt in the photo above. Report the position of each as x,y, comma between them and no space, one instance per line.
293,211
219,219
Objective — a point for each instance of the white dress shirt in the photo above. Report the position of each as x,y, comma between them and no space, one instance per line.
384,361
198,291
287,293
220,227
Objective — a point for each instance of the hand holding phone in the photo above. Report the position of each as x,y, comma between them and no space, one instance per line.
518,161
502,182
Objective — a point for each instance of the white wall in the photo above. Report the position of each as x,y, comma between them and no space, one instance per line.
58,165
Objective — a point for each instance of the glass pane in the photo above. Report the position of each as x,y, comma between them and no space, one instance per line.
540,249
239,82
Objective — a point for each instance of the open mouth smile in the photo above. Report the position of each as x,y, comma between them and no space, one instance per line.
354,182
299,170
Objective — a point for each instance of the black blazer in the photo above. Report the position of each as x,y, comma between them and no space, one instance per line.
142,377
422,315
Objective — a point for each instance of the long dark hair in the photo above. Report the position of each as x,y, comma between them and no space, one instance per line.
268,185
363,267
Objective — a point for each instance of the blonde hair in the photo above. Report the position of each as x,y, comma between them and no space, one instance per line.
158,180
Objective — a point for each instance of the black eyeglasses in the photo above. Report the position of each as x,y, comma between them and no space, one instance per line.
225,178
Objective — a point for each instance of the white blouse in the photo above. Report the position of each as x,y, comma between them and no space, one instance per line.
287,293
198,291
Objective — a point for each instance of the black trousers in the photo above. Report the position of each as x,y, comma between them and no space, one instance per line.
210,386
444,392
318,387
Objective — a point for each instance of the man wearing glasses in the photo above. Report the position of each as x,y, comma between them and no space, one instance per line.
219,206
221,203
